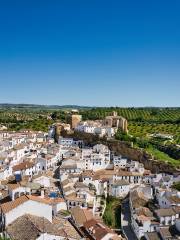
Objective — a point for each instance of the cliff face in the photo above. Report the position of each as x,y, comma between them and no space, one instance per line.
126,150
141,156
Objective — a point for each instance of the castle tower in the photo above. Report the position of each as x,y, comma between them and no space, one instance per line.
74,120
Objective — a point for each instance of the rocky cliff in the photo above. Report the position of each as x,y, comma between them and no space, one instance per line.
126,150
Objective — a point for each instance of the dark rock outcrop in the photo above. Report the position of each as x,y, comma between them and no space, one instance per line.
126,150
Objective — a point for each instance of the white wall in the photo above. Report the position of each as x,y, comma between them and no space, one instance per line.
43,181
120,191
108,236
59,206
168,220
19,190
29,207
87,180
163,202
140,230
46,236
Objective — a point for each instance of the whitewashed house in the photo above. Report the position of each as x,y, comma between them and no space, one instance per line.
143,221
43,181
134,178
87,177
5,172
120,188
10,211
166,216
33,227
167,198
25,168
120,162
16,190
46,161
97,158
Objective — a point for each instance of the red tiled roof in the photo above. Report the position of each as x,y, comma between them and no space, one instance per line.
12,186
23,166
7,207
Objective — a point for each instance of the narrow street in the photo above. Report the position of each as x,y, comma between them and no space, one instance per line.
70,219
126,221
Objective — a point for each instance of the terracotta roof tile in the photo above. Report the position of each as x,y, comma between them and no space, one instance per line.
81,215
23,166
31,227
7,207
48,201
12,186
162,212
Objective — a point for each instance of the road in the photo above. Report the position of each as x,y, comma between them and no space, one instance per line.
126,221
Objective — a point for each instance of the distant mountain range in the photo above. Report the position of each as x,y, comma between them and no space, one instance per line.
37,106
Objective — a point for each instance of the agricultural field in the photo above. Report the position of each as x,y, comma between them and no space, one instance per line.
161,115
145,121
142,129
141,123
24,119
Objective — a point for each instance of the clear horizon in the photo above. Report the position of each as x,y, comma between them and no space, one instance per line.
90,106
90,53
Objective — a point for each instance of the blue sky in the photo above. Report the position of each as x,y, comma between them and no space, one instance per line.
90,52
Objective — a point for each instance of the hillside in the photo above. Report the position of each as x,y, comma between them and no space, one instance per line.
141,123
